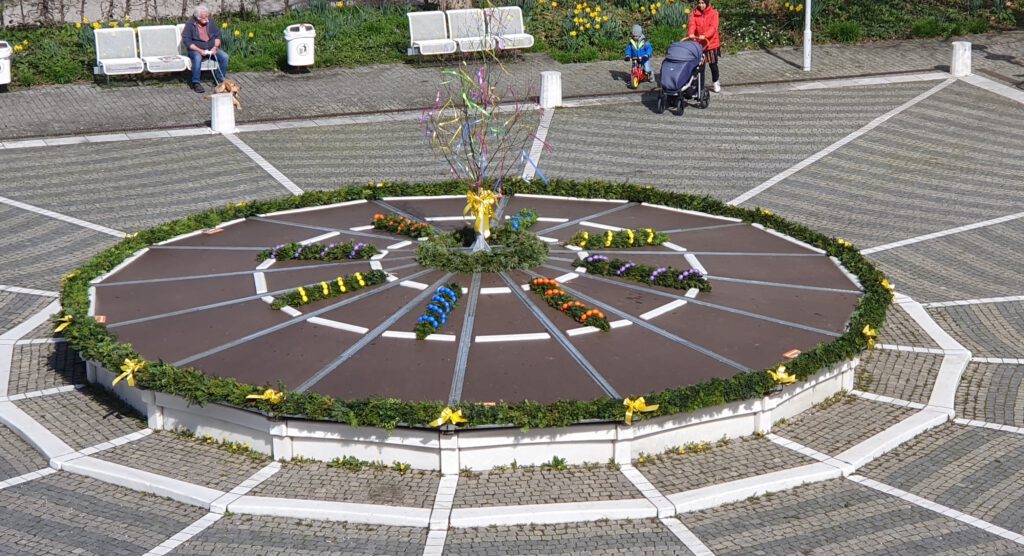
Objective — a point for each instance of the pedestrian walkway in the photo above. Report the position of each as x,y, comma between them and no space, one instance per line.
86,108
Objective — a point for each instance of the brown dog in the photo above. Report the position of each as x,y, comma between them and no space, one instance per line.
229,86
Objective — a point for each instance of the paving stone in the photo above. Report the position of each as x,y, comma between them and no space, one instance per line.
842,423
838,517
740,458
992,393
41,366
931,168
901,330
755,137
69,514
44,330
647,536
974,470
318,481
188,460
35,250
987,329
16,307
899,374
246,535
82,418
536,485
17,457
967,265
137,184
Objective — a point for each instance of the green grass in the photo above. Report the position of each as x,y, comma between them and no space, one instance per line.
354,35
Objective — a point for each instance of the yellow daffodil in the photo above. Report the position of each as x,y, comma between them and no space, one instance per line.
597,26
588,26
654,11
636,406
766,212
18,48
554,4
781,376
78,26
643,8
658,4
604,17
127,17
869,334
270,395
113,24
96,25
686,11
448,416
25,42
800,7
251,34
340,4
224,25
85,20
237,33
128,370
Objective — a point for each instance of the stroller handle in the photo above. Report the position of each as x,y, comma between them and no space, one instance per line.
705,42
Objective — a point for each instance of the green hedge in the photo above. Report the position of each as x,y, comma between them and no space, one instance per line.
94,342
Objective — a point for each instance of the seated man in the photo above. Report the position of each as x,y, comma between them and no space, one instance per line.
201,37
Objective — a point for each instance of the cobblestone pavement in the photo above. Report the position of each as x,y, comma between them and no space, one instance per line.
934,166
838,517
246,535
318,481
603,538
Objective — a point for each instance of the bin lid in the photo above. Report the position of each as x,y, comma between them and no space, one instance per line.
5,50
299,31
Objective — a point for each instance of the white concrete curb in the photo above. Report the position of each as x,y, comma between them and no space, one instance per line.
373,514
736,491
552,513
144,481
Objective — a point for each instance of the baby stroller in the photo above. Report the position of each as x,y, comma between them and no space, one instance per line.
681,78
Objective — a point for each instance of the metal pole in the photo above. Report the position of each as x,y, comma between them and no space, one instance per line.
807,35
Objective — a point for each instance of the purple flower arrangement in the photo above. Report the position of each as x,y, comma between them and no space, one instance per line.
318,252
664,276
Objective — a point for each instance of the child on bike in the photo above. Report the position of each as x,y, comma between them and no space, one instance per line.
638,47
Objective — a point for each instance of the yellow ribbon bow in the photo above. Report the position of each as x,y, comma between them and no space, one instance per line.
270,395
128,370
65,322
869,334
482,206
781,376
448,416
844,243
889,287
638,405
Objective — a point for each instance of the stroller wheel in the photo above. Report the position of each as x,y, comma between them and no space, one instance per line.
705,99
681,106
660,107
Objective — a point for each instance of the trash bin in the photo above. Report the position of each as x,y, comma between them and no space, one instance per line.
300,44
5,62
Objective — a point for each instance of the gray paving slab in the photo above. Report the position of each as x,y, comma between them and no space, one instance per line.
992,393
674,472
16,307
69,514
987,329
329,157
17,457
188,460
976,471
35,250
319,481
968,265
899,374
41,366
604,538
838,517
246,535
135,184
899,329
931,168
723,151
841,423
534,485
82,418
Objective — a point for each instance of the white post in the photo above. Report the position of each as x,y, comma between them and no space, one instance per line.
222,119
807,35
961,65
550,89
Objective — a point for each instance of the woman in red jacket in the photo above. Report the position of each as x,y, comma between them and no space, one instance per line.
704,26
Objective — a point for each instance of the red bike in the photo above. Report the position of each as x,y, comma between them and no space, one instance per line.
638,74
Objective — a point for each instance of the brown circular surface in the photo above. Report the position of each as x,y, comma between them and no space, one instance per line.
194,302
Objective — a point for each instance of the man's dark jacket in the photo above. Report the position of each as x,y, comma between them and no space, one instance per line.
190,34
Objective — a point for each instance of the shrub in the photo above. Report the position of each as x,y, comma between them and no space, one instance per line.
976,25
926,27
845,31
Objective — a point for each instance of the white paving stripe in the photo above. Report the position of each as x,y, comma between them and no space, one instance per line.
529,170
41,393
995,87
31,476
943,233
939,508
987,425
28,291
998,360
974,301
835,146
683,533
910,349
262,162
435,542
186,534
220,505
886,399
63,217
666,510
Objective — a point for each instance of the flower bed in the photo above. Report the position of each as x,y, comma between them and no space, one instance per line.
328,289
318,252
662,276
436,315
556,298
616,240
94,342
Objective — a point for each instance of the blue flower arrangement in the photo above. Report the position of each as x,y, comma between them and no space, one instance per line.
442,303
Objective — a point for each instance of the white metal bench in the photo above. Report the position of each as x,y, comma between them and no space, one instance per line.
428,34
159,48
506,26
116,53
467,29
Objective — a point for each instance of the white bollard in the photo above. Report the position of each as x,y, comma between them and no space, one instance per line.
222,120
550,89
961,65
